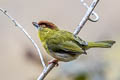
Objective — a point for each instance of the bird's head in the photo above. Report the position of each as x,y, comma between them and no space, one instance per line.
45,24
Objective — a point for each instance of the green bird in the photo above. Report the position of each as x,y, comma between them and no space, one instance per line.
64,45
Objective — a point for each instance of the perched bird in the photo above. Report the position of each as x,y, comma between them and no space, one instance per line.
63,45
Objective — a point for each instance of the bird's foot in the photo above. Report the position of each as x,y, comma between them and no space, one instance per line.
85,53
55,61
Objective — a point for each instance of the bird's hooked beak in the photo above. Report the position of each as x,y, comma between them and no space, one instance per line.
36,25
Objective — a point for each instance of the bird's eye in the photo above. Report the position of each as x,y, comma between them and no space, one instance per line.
43,26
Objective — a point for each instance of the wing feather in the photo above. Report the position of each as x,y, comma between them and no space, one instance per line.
63,42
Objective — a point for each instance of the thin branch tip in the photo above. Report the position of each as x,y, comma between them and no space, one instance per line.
25,32
86,16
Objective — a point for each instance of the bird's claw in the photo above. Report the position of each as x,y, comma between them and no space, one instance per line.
55,61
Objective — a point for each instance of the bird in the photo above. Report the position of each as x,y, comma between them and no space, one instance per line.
63,45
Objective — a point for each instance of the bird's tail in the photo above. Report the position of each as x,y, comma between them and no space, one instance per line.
100,44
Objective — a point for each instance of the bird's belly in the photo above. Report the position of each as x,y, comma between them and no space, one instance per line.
64,56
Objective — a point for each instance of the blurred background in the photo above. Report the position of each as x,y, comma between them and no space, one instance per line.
19,59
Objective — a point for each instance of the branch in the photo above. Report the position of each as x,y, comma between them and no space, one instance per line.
46,71
86,17
25,32
93,13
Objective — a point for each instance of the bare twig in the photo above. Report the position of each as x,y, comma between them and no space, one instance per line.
93,13
29,37
46,71
86,17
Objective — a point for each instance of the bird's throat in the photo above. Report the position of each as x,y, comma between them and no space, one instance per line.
45,33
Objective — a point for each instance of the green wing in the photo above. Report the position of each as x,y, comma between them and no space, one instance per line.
63,41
